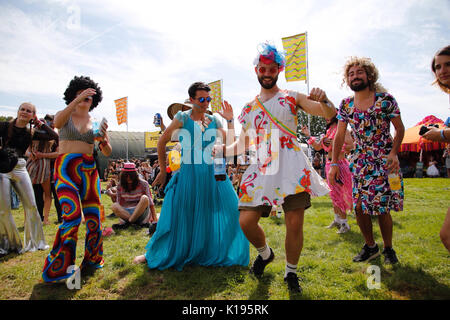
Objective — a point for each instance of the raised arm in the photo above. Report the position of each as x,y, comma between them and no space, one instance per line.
316,104
161,149
63,116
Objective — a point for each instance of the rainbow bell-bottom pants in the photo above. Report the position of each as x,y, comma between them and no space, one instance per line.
78,188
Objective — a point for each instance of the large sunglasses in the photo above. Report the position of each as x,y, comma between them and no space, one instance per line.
202,99
264,69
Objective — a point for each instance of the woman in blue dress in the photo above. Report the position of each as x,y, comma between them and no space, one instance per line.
199,222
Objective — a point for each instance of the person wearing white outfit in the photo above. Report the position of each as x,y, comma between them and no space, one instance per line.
279,173
15,135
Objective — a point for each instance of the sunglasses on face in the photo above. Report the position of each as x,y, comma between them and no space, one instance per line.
202,99
264,69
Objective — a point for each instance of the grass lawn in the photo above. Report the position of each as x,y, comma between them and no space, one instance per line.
325,267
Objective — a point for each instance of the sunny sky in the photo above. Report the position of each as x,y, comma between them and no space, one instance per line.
151,51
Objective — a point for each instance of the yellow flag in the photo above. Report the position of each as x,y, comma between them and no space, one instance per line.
216,95
121,109
296,64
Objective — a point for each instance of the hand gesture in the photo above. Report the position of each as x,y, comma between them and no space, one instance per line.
160,178
326,141
333,174
85,94
434,134
392,163
305,131
227,111
318,95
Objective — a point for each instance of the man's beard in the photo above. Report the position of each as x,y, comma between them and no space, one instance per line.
271,84
359,87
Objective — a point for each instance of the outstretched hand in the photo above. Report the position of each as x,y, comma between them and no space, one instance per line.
227,111
305,131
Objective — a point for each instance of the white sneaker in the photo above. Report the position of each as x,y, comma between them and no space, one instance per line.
344,228
334,224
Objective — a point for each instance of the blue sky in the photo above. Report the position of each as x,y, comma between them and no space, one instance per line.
151,51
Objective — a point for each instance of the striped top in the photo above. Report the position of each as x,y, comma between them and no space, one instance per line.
132,198
70,132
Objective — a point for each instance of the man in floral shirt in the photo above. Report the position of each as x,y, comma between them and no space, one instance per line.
374,164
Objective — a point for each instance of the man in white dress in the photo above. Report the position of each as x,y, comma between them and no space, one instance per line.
280,173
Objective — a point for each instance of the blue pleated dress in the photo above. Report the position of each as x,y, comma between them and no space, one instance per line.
199,221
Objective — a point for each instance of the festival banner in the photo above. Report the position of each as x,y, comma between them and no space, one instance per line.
121,110
216,95
296,57
151,139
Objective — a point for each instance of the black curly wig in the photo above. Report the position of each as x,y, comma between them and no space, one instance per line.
82,83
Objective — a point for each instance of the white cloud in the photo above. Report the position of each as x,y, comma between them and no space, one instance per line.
151,51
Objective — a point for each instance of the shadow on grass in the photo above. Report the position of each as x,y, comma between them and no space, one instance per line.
59,291
10,255
406,282
262,290
193,283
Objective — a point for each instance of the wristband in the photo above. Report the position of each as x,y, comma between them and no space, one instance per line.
231,120
334,165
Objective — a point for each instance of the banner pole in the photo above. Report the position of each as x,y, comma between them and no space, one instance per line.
127,129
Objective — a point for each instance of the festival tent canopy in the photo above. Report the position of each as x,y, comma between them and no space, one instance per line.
413,142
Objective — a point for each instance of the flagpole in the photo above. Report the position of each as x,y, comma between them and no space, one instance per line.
127,129
307,88
221,99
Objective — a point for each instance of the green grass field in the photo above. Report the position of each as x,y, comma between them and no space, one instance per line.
325,267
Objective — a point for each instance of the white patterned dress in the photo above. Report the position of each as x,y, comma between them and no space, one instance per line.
278,167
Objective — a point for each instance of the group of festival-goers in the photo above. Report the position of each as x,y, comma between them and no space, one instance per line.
204,221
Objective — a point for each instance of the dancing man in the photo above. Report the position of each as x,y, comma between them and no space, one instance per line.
370,112
280,174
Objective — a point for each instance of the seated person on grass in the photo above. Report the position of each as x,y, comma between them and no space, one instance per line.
134,204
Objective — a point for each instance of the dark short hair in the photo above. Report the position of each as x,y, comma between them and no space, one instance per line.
82,83
197,86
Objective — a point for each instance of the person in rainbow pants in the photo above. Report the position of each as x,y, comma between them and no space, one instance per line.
77,181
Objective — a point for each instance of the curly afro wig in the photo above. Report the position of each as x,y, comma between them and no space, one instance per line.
82,83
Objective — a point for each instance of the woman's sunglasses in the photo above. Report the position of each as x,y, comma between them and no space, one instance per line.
202,99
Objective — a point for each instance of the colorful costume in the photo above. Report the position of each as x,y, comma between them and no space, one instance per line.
280,167
340,194
76,179
199,222
373,143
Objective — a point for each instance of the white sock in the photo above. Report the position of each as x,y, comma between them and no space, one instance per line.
264,252
342,221
336,218
290,268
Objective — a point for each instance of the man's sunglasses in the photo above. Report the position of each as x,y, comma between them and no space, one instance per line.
202,99
264,69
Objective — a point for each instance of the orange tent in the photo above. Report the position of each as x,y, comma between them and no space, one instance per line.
413,142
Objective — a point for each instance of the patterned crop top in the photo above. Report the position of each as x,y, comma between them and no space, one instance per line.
70,132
